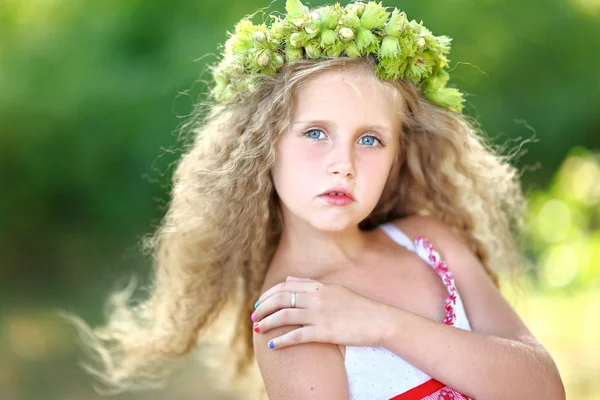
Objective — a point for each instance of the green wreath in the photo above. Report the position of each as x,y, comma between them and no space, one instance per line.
403,49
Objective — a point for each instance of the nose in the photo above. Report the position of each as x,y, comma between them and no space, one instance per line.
341,161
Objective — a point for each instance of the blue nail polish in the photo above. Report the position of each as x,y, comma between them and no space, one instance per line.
271,345
256,305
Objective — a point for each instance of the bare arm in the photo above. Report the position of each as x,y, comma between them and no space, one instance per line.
305,371
500,359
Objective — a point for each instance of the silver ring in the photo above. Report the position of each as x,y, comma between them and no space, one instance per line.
293,299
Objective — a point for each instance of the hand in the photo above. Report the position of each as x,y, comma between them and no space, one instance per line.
329,313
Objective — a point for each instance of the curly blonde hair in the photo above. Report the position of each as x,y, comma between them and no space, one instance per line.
223,223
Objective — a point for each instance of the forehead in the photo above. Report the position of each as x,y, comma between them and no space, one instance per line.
347,94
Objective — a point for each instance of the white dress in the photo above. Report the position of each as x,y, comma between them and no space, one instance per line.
375,373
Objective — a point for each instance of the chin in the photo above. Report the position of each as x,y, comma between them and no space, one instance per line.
334,223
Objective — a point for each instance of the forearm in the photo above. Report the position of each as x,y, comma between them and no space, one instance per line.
478,365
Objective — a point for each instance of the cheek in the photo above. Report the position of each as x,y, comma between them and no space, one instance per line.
299,157
374,172
376,165
307,152
297,161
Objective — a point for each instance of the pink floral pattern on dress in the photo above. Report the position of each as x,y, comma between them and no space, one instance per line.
431,390
434,389
446,394
447,277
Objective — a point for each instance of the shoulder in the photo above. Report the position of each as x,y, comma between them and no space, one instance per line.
486,308
441,236
424,225
309,370
465,266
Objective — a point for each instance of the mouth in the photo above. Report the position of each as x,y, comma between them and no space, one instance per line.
335,198
338,193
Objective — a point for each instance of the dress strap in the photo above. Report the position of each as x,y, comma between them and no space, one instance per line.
425,250
398,236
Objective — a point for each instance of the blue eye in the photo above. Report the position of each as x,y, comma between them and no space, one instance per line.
314,134
371,140
368,141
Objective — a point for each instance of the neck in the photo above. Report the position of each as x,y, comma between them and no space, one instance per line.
316,251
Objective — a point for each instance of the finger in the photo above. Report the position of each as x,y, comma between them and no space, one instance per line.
292,286
280,301
306,334
283,317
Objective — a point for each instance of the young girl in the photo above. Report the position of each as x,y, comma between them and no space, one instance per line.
336,181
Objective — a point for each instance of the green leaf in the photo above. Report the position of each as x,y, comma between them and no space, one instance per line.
356,8
328,38
417,69
365,40
352,21
436,81
335,50
351,50
390,48
374,16
293,54
396,25
449,98
295,8
329,18
392,68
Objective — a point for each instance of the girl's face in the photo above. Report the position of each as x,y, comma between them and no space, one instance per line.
344,136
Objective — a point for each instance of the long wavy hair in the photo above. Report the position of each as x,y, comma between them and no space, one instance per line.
222,226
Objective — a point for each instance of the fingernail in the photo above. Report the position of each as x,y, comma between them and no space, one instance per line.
253,317
271,345
256,328
256,304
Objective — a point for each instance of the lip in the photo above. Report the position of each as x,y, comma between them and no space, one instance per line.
339,189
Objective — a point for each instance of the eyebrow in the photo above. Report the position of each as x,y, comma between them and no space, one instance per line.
328,123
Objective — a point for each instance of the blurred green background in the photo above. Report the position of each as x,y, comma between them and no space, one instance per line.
91,95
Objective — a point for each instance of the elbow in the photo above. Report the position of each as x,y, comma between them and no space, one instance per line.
547,382
555,384
560,391
541,378
552,382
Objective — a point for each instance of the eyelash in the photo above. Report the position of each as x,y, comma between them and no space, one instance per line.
368,147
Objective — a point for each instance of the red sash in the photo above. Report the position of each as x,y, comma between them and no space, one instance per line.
430,390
